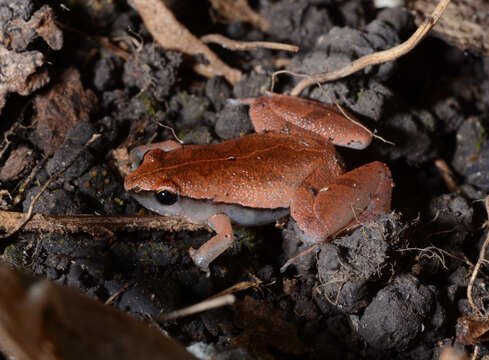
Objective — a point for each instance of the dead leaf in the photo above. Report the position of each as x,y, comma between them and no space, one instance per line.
19,162
43,321
172,35
472,330
65,104
19,73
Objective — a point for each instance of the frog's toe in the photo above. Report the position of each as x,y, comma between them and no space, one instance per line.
200,260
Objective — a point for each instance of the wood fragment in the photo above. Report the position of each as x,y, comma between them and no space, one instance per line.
378,57
94,225
172,35
231,44
464,24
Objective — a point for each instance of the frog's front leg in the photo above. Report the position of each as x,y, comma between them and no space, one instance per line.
353,198
215,246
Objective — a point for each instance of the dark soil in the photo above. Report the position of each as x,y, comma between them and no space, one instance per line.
392,289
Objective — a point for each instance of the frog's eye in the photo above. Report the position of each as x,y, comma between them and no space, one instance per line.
166,197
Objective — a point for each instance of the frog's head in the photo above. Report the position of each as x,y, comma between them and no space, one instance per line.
151,188
169,203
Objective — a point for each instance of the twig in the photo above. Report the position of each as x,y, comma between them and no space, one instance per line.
197,308
95,225
241,286
477,266
103,41
116,294
231,44
172,131
378,57
28,216
356,122
432,249
274,76
446,174
293,259
169,33
109,45
28,180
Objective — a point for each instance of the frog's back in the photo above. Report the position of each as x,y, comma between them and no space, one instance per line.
258,170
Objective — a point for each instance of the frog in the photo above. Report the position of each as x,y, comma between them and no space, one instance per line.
289,166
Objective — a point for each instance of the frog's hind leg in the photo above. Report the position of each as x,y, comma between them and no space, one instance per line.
353,198
215,246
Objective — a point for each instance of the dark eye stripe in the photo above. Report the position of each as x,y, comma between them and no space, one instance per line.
166,197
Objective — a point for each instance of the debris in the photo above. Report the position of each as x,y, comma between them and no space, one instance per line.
63,105
172,35
20,161
246,45
43,321
471,331
17,34
348,265
378,57
152,70
21,73
464,24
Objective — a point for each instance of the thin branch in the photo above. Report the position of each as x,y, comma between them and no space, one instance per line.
231,44
25,183
446,174
378,57
111,299
356,122
477,266
28,216
199,307
93,224
242,286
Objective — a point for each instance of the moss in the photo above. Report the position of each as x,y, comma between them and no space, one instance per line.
152,106
14,254
482,136
246,236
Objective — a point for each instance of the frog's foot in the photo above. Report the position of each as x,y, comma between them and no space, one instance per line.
348,201
215,246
